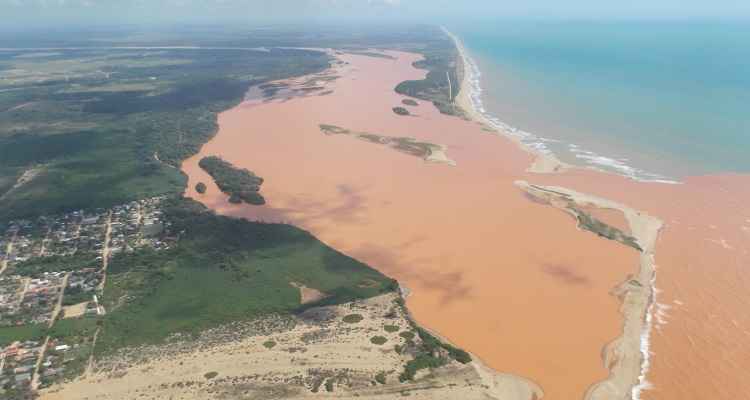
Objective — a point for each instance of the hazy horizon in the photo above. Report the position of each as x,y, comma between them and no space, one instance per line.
54,14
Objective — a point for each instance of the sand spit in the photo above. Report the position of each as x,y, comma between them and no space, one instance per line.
430,152
314,355
627,356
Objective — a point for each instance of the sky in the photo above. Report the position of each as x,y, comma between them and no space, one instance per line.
61,12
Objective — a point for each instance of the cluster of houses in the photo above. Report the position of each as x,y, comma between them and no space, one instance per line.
11,295
58,357
28,297
40,298
18,364
63,235
138,224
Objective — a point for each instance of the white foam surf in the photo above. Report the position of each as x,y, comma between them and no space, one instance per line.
540,144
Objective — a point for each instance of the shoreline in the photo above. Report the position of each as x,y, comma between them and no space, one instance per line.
627,356
337,225
469,100
638,321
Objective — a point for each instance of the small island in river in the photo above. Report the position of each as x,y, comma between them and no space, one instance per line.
239,183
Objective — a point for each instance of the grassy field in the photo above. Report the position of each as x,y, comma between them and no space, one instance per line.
9,335
37,266
223,270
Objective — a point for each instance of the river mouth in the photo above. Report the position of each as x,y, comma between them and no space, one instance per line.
513,281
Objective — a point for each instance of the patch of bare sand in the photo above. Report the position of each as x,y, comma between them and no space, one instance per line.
308,295
544,163
75,310
283,358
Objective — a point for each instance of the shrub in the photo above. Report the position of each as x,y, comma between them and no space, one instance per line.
211,375
378,340
200,187
269,344
353,318
391,328
408,335
400,111
380,378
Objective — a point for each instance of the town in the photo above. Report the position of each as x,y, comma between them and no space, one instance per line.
52,272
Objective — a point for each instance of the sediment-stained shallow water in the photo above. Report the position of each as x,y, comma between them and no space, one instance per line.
513,281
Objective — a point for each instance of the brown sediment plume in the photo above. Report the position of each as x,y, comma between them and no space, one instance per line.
509,280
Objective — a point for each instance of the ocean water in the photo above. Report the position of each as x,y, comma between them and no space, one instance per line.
652,100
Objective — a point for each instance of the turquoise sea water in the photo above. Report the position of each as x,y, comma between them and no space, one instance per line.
655,100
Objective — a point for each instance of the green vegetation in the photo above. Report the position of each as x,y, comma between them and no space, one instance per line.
432,344
444,74
223,270
76,295
408,335
430,353
353,318
269,344
401,111
94,127
210,375
240,184
62,329
371,54
329,385
11,334
391,328
591,224
37,266
77,333
200,187
74,330
421,361
406,145
380,378
409,102
378,340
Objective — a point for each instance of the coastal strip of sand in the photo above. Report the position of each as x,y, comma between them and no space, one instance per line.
627,356
466,100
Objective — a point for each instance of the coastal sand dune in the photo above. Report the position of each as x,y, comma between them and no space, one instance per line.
511,280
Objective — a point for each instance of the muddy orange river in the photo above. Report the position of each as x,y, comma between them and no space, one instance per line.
510,280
